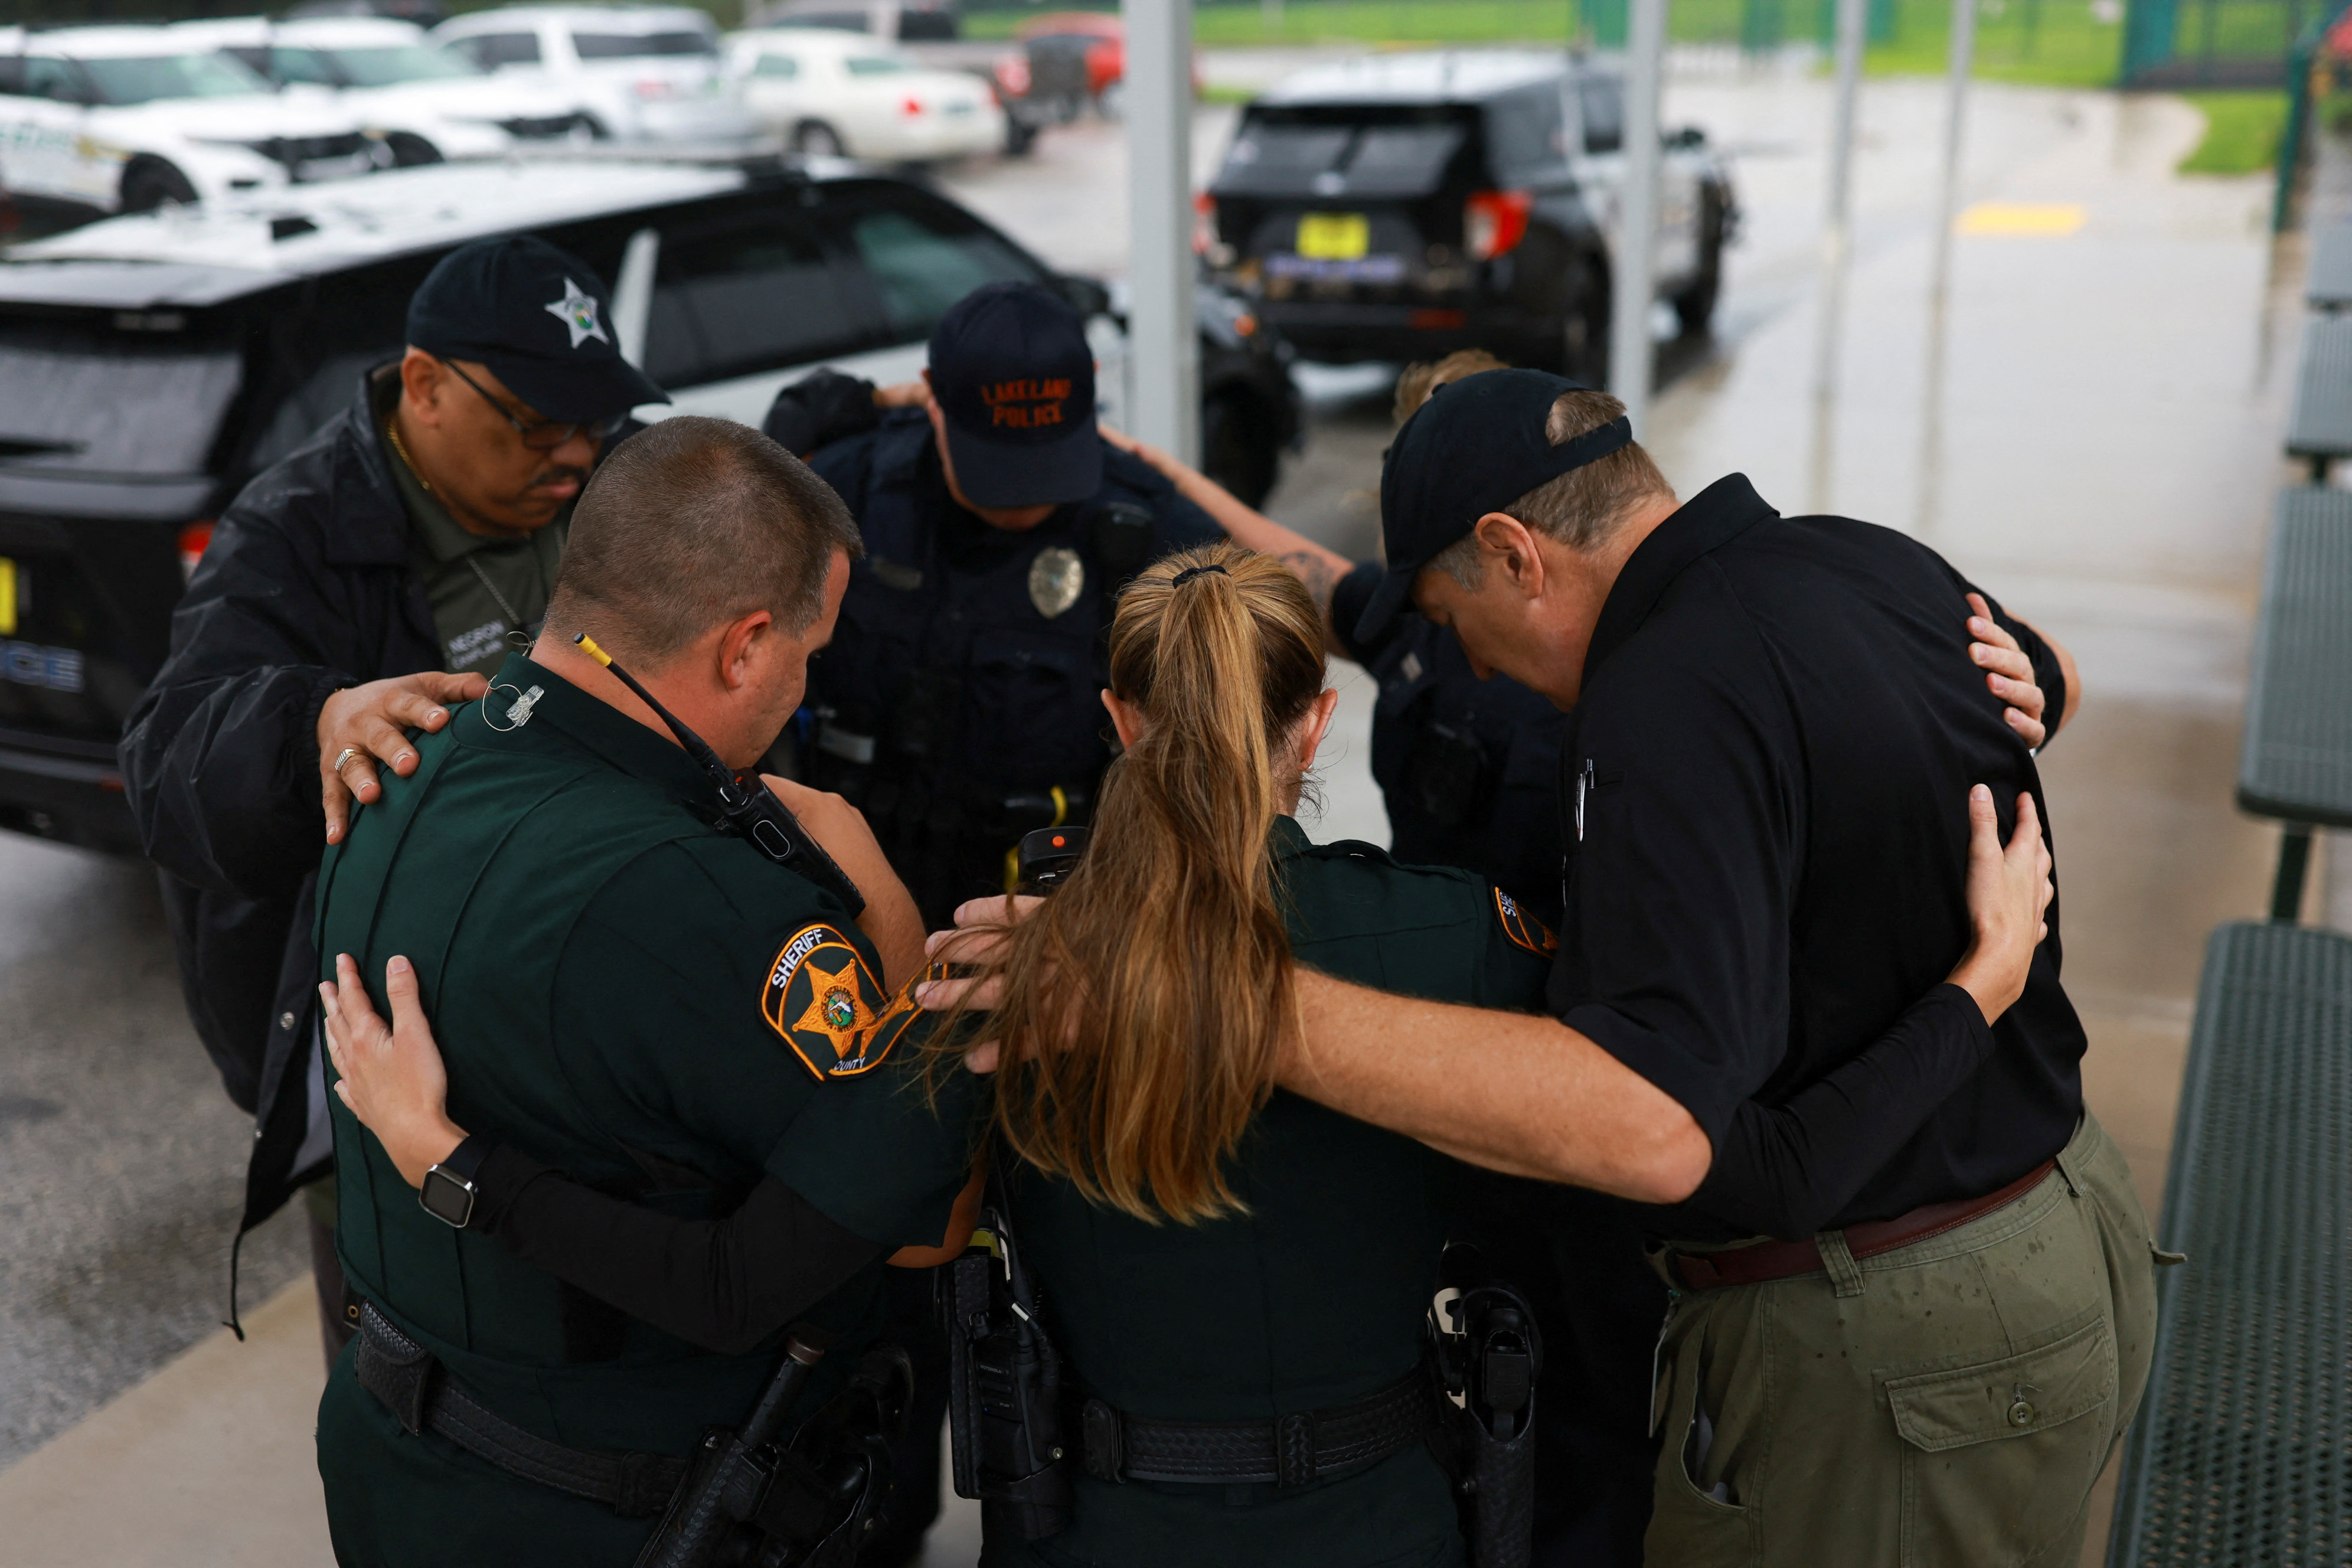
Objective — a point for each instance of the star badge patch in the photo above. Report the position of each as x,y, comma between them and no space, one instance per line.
1524,927
577,312
826,1003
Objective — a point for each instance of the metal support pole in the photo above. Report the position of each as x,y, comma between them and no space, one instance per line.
1837,233
1637,221
2294,859
1165,368
1947,202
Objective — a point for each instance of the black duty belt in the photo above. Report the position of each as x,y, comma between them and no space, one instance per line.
1290,1450
423,1397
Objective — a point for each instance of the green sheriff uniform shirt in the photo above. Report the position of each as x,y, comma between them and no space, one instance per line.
627,994
1315,1297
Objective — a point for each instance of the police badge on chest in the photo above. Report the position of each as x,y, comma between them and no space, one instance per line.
1056,577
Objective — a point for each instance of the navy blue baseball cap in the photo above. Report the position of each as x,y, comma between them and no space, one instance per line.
1014,378
540,317
1475,446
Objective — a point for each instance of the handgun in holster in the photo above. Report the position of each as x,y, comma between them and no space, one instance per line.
1005,1390
1489,1355
752,1501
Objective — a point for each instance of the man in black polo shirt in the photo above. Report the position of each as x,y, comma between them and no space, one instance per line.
1915,1333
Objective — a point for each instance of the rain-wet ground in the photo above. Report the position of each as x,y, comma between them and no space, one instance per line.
2090,427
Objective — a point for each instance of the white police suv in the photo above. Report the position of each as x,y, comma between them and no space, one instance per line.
123,119
425,102
650,73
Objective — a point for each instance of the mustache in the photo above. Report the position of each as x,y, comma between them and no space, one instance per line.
557,476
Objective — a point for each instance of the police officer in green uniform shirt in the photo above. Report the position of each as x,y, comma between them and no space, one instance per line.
627,992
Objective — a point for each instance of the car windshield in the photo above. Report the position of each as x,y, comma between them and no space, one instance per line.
639,45
401,62
90,401
875,65
144,79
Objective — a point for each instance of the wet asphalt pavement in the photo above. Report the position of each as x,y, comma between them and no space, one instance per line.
2090,427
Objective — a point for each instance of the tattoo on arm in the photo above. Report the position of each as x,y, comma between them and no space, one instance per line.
1320,576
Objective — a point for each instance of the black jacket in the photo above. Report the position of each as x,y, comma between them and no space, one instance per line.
307,587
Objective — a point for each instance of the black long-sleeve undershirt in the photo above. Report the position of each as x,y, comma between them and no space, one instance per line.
723,1284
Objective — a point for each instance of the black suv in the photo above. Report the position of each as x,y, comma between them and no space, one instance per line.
1402,206
150,366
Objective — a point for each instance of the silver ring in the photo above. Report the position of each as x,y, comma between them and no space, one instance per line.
345,760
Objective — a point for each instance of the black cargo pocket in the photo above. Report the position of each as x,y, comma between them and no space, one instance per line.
2000,1457
1033,710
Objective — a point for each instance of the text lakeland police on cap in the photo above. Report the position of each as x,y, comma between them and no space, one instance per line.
1006,399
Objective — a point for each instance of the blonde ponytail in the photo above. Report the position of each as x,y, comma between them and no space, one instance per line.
1146,1006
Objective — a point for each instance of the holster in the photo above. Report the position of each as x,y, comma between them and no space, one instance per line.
1004,1392
1489,1356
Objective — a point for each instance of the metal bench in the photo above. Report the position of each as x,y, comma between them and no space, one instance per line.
2327,285
2321,429
2295,762
2242,1454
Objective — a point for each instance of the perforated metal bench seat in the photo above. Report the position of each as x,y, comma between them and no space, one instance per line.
2294,761
2328,283
2242,1454
2322,426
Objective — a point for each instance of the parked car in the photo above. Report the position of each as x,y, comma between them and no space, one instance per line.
151,364
425,102
648,73
848,94
121,118
1100,41
1402,207
903,21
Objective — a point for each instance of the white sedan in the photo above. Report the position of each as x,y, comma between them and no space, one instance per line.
126,118
841,93
428,103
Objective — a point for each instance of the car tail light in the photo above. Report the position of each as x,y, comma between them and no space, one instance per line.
652,87
1012,76
1205,222
1495,221
911,106
194,538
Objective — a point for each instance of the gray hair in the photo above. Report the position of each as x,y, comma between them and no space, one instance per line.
1582,507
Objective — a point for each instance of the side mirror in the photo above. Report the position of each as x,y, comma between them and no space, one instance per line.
1688,136
1086,297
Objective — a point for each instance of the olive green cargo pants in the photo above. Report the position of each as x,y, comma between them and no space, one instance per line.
1946,1404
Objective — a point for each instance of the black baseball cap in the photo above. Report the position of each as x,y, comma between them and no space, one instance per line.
1475,446
1014,378
540,317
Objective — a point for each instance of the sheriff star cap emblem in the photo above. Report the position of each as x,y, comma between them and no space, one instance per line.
577,312
490,302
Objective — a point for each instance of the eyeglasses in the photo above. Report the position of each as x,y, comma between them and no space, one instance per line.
545,434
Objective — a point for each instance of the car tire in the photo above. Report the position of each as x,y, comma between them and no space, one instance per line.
1695,306
409,150
1019,136
1237,445
815,138
149,183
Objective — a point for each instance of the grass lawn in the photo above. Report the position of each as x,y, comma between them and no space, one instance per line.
2057,42
2241,131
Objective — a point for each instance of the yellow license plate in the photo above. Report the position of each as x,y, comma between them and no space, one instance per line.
7,597
1334,237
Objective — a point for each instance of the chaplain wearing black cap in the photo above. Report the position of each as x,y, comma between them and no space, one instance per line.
350,595
1913,1324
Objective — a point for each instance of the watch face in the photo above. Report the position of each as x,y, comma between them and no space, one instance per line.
447,1197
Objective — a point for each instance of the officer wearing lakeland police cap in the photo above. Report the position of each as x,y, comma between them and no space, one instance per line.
350,595
958,705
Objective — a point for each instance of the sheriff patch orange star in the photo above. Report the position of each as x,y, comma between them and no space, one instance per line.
821,996
1524,927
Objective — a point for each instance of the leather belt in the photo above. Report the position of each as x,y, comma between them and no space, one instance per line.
422,1397
1290,1450
1787,1260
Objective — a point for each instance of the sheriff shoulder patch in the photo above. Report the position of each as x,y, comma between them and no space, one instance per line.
826,1003
1524,927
